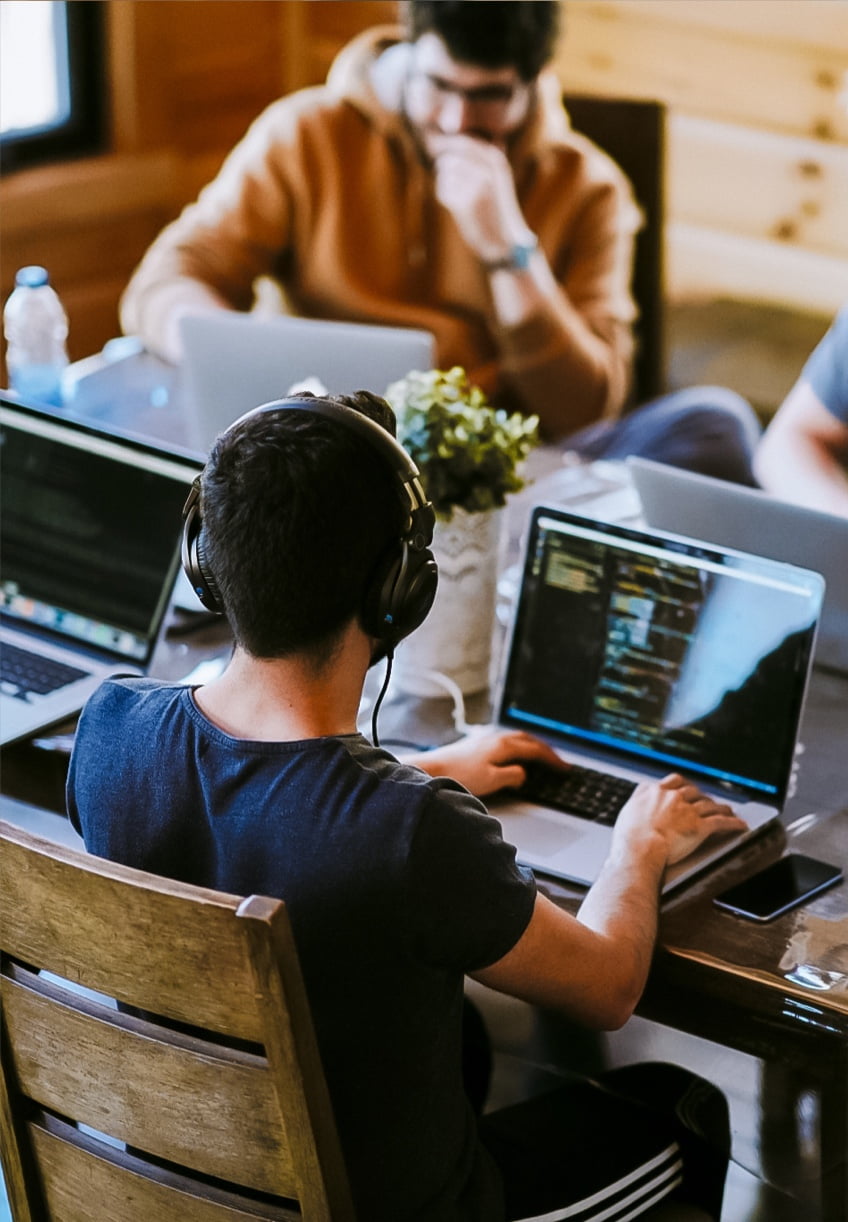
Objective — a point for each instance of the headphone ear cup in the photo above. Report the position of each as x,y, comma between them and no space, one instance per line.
400,593
195,565
211,596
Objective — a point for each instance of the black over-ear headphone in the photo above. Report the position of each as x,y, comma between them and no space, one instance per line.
401,590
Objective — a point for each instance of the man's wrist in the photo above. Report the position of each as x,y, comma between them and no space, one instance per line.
517,258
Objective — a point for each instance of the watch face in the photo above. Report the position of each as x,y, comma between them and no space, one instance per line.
518,258
521,254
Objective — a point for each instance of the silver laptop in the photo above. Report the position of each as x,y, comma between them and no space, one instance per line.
90,546
734,516
233,362
638,654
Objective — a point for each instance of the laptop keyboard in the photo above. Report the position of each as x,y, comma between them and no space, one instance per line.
577,791
23,673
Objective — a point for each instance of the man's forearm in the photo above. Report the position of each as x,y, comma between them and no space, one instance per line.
623,907
803,452
154,312
816,479
559,367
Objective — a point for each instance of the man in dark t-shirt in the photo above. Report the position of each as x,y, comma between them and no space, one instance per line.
310,530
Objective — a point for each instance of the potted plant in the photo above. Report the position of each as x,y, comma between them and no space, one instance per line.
470,456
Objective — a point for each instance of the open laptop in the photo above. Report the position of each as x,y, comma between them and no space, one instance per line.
638,654
233,362
752,520
90,545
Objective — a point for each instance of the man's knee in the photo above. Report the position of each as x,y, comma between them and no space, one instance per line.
708,429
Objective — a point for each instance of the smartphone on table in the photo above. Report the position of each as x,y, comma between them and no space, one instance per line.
786,883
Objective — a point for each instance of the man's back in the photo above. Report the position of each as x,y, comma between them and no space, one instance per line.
385,874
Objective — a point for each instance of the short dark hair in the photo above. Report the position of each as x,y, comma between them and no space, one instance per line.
518,34
297,513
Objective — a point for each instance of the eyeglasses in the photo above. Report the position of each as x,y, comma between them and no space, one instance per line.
492,102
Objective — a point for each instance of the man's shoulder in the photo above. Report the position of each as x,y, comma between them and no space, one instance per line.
578,156
116,696
313,116
284,115
559,144
413,794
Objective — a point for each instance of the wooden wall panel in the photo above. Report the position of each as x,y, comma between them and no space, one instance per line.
198,71
704,263
327,26
758,184
717,59
757,158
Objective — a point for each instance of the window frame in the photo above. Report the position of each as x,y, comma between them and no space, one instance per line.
84,131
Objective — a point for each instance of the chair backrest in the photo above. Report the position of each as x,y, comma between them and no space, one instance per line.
201,1092
632,132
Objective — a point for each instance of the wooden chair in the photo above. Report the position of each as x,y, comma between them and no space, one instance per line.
632,132
221,1111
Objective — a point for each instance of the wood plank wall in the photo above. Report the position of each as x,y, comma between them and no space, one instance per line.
756,92
757,161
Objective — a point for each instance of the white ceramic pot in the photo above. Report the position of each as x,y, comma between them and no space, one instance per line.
456,638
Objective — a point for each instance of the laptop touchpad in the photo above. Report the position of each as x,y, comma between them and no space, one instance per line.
537,836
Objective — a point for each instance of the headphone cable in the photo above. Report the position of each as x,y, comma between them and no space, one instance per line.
390,657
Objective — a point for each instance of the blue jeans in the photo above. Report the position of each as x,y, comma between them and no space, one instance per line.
708,429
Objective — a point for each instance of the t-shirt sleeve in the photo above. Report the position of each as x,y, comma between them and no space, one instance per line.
827,369
468,901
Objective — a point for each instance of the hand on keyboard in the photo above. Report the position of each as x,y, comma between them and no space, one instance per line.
677,812
488,759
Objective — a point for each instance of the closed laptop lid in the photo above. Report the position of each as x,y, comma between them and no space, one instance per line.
90,533
752,520
654,651
233,362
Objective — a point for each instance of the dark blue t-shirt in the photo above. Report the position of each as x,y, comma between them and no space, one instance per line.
396,885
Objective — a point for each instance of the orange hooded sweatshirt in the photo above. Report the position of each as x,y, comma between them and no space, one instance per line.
329,194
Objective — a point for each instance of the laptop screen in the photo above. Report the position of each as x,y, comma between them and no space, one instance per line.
662,652
90,528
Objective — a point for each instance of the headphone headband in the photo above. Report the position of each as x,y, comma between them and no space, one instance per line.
370,431
401,591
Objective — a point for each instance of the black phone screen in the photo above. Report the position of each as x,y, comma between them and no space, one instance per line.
784,884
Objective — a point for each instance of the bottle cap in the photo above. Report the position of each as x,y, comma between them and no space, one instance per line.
32,277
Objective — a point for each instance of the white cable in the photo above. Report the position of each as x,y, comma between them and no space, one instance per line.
454,691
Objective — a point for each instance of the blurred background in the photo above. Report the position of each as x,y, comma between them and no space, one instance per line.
755,238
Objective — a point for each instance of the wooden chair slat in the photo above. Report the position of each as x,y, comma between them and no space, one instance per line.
238,1137
111,924
74,1174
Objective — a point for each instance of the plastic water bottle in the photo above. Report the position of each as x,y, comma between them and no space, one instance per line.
36,328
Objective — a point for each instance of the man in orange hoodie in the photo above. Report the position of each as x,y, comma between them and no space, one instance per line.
434,181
